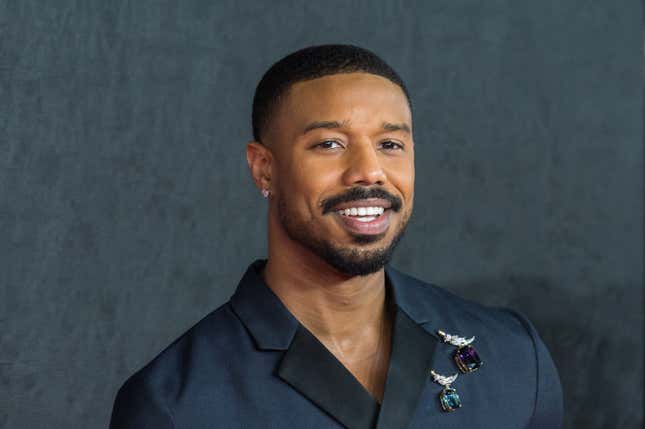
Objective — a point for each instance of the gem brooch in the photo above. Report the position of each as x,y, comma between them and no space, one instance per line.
448,397
466,356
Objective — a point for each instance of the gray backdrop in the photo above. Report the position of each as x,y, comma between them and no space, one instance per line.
127,212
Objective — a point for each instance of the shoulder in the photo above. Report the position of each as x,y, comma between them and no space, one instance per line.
431,304
215,337
436,308
205,351
506,340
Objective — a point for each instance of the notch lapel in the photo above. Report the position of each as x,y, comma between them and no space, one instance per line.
315,372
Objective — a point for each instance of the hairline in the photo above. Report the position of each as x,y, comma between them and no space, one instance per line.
276,102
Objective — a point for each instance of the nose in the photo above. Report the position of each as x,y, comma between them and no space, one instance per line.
364,166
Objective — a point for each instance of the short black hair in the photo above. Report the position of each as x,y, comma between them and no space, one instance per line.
312,63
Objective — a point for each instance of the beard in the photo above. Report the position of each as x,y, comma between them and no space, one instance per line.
349,260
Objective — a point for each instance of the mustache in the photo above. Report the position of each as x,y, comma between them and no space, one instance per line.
356,194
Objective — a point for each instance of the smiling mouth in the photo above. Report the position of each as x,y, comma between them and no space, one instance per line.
362,219
362,214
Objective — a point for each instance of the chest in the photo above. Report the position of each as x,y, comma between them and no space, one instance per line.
368,366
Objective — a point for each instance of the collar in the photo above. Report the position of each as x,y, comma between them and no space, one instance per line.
313,371
273,326
268,320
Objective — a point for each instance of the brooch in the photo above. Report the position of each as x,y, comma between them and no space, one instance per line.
466,356
448,397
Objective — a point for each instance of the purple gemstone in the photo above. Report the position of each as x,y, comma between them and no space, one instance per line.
467,359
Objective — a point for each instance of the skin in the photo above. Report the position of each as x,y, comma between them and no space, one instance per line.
350,315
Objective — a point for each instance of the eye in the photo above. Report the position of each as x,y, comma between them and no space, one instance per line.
328,144
391,145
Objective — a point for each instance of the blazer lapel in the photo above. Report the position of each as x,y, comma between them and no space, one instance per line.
410,363
270,324
307,365
315,372
413,350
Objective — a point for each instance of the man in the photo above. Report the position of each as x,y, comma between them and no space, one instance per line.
322,334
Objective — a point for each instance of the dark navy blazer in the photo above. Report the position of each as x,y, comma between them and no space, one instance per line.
251,364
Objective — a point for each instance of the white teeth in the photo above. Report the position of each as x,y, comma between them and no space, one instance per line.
366,219
362,211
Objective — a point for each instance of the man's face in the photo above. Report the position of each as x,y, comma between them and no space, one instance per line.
342,175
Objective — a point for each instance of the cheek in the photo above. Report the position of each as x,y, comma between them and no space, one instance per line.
401,175
315,174
303,183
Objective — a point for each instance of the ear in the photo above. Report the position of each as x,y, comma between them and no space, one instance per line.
259,158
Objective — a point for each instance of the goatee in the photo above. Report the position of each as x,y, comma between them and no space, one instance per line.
351,261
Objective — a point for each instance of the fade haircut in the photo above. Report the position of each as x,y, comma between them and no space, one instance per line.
312,63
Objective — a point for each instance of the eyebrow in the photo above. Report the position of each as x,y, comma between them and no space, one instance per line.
387,126
396,127
324,124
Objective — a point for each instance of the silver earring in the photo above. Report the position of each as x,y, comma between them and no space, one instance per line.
265,193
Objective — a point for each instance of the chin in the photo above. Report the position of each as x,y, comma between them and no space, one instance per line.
367,239
353,262
358,260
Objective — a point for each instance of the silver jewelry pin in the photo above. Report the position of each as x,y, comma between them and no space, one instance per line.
449,398
466,357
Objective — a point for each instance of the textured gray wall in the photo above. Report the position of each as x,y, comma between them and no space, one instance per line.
127,213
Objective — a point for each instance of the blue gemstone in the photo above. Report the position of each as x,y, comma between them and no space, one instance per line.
449,399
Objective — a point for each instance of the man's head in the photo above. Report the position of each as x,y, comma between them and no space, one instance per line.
333,144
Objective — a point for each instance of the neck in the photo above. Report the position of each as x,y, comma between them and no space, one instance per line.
351,315
328,309
328,303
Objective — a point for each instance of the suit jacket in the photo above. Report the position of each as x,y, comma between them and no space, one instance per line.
251,364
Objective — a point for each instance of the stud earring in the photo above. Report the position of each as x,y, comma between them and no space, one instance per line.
265,193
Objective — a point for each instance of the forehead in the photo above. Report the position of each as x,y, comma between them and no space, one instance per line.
358,99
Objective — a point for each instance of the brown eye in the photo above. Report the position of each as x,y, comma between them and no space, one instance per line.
329,144
391,145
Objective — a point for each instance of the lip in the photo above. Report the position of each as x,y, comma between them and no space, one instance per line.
375,227
369,202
